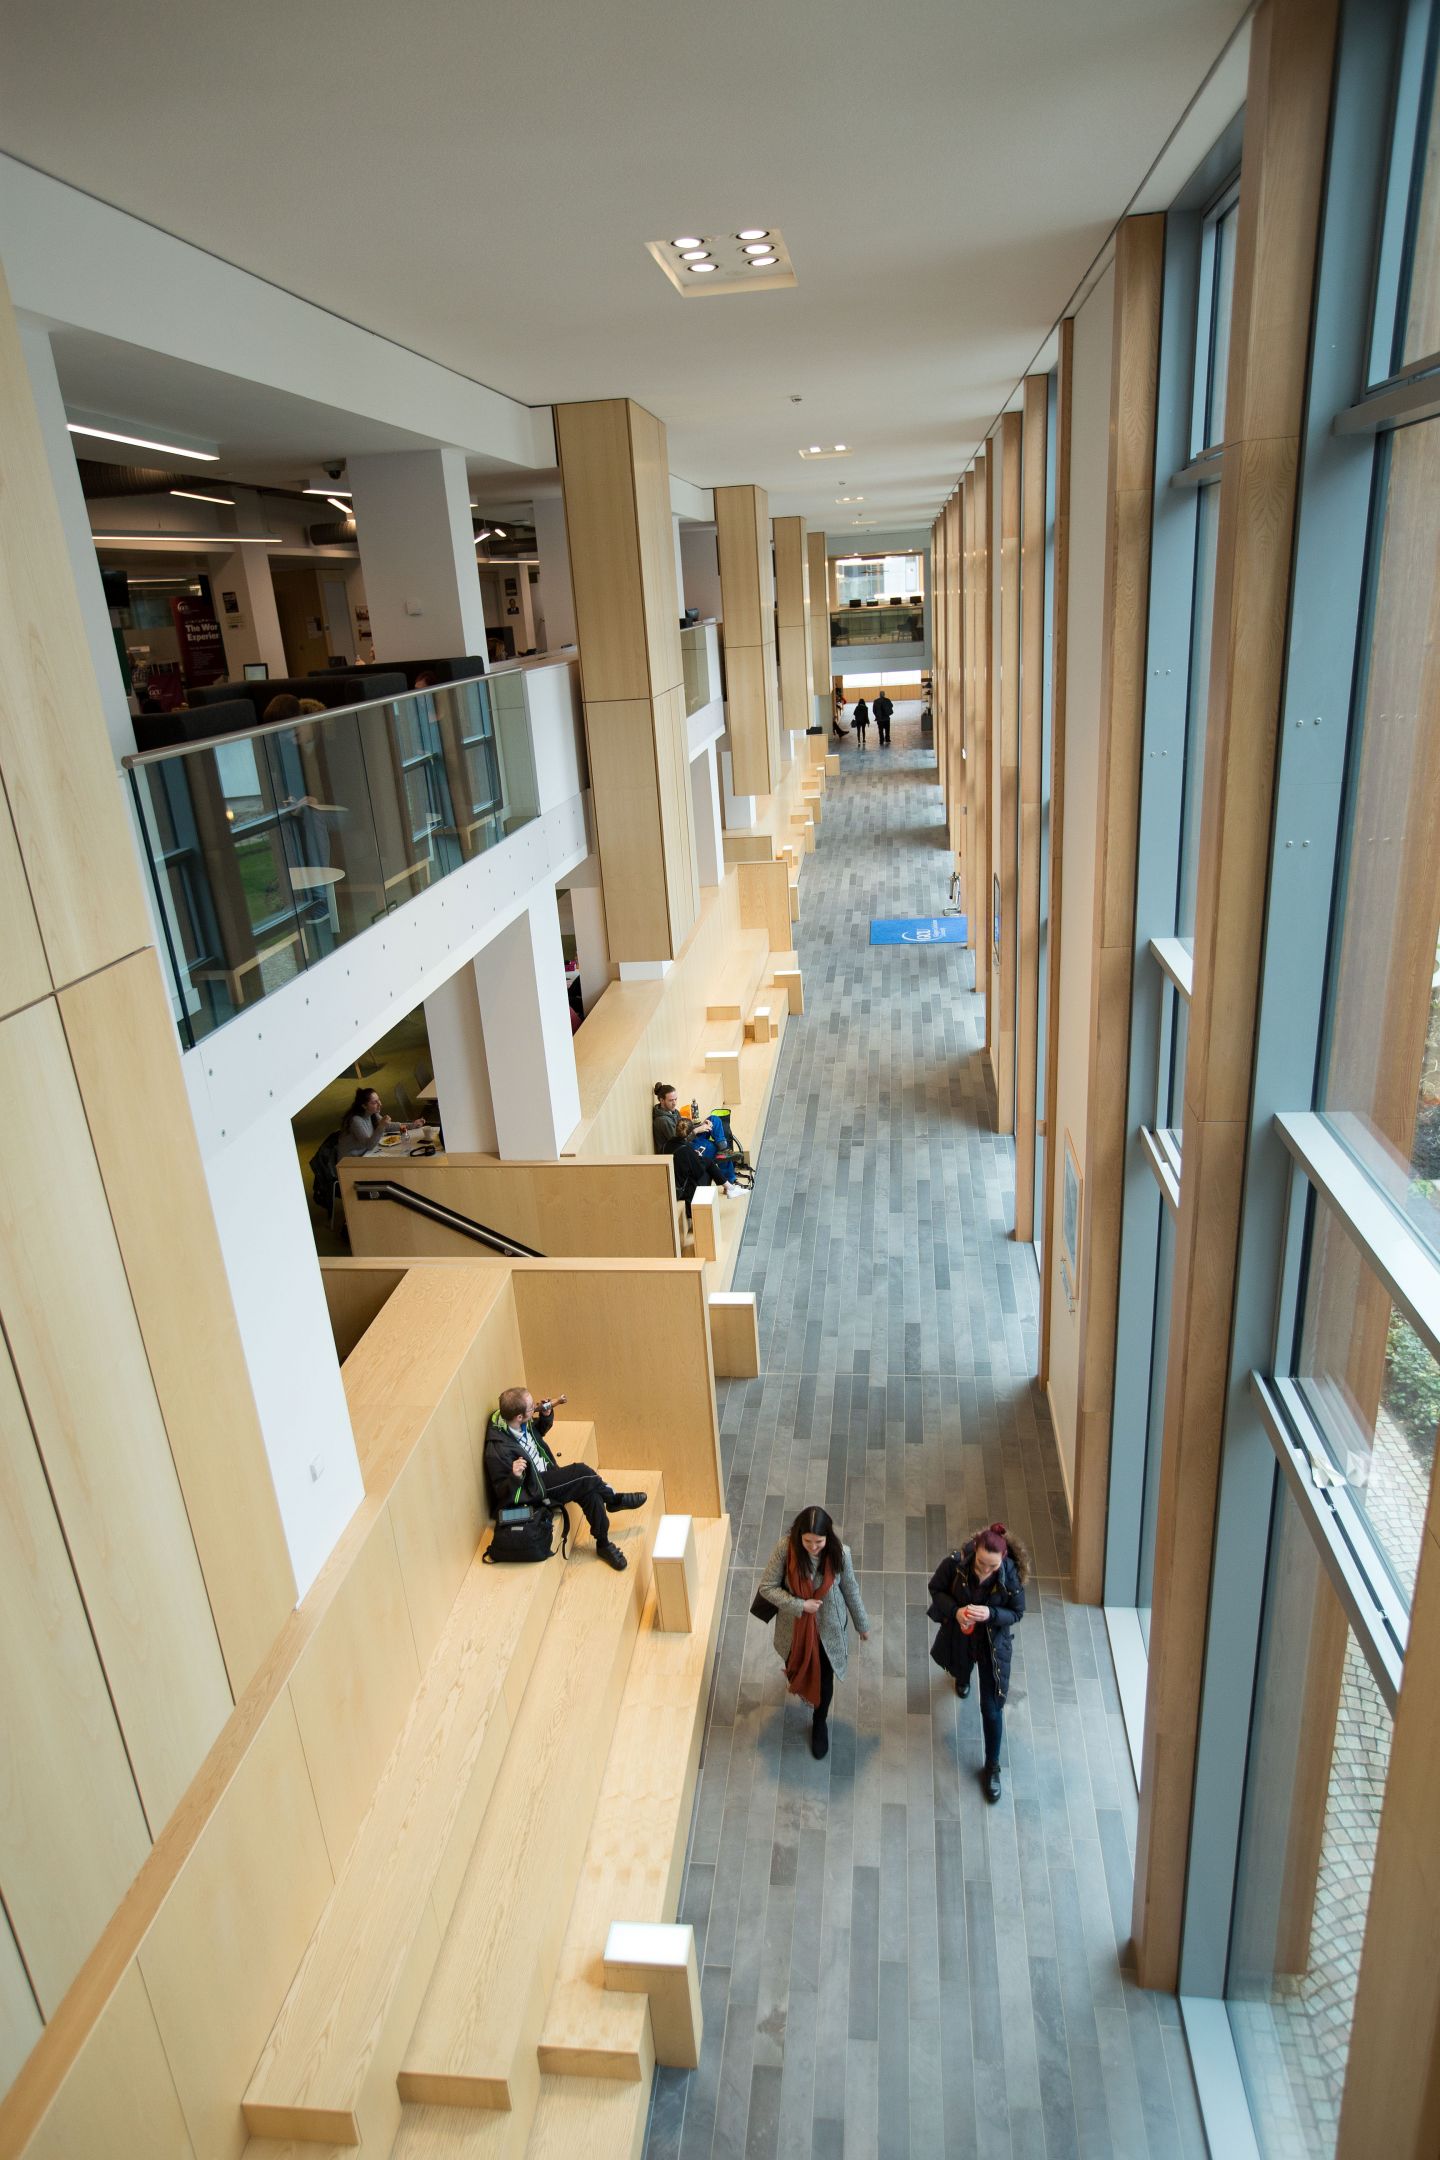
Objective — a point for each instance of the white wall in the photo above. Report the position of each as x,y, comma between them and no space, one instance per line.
1089,477
701,566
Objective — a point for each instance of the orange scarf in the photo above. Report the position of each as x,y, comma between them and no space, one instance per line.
802,1666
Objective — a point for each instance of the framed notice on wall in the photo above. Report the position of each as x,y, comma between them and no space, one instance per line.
1071,1193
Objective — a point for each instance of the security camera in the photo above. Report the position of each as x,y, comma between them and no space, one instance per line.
336,469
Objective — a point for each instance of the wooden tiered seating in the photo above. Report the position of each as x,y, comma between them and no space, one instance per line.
328,2070
474,2041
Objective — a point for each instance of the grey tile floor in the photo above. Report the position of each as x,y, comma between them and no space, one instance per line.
890,1966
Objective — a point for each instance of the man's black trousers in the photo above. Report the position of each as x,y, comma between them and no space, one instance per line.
589,1492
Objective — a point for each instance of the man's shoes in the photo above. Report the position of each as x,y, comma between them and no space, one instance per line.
962,1689
990,1781
611,1554
624,1500
819,1738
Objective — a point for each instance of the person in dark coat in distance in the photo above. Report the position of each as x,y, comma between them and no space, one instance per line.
978,1596
519,1467
883,711
862,722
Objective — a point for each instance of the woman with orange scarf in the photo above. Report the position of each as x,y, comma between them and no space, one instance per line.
810,1580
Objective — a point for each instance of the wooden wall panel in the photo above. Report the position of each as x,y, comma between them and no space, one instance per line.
946,606
672,760
621,1209
123,1048
438,1509
656,533
590,1329
1139,266
819,565
982,615
353,1297
1032,702
237,1921
1286,113
81,1364
19,2012
747,597
120,2099
625,795
1060,632
24,975
72,1831
55,762
592,443
792,615
352,1688
1006,765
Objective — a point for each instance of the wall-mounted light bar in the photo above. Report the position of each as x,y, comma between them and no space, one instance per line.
188,539
143,442
189,495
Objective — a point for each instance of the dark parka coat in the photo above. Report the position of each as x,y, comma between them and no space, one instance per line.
954,1585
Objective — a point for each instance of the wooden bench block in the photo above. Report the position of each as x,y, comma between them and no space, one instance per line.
473,2045
636,1851
759,1029
725,1009
795,903
725,1066
658,1960
832,761
704,1228
328,2069
791,982
735,1334
677,1580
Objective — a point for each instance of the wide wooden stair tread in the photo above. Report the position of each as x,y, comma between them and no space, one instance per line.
328,2060
742,981
474,2042
636,1847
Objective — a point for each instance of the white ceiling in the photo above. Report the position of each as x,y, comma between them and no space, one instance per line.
477,179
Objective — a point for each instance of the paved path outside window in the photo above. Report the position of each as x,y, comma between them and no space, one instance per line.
890,1966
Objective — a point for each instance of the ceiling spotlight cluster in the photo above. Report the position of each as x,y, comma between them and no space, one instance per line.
815,449
756,244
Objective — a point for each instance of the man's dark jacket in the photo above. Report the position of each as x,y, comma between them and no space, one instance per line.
501,1449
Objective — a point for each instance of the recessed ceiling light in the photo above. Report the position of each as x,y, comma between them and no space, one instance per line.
702,269
690,242
697,255
143,442
188,495
330,489
814,449
483,534
500,532
759,247
756,232
762,262
839,446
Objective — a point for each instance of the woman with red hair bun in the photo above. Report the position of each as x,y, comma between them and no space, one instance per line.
978,1596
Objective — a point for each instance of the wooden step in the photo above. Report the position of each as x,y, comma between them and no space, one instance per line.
637,1842
474,2042
741,982
328,2069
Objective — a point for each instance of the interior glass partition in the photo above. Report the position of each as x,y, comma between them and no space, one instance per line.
269,850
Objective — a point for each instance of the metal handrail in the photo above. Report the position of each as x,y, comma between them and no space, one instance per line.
449,1218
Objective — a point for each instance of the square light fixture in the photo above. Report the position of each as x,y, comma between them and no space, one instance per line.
814,451
752,259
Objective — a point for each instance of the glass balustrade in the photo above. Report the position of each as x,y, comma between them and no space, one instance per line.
871,625
694,652
269,850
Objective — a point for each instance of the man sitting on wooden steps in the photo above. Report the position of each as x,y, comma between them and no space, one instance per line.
518,1465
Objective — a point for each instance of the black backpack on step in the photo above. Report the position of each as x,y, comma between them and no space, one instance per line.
528,1533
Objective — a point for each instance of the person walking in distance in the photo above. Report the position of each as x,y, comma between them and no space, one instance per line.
810,1580
862,722
883,710
978,1596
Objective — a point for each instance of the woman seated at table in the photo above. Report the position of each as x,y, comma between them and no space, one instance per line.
365,1124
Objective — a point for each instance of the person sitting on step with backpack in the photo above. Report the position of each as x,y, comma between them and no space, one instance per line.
520,1468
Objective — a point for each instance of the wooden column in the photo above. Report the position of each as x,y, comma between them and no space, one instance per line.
1035,417
615,472
747,595
1287,106
144,1568
1134,376
792,617
1060,631
949,608
937,641
978,643
1005,766
819,629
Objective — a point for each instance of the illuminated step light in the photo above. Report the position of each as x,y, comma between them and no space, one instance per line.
143,442
189,495
754,260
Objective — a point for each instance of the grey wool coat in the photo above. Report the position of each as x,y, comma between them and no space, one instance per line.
834,1626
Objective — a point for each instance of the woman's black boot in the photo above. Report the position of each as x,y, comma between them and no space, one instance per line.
819,1737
